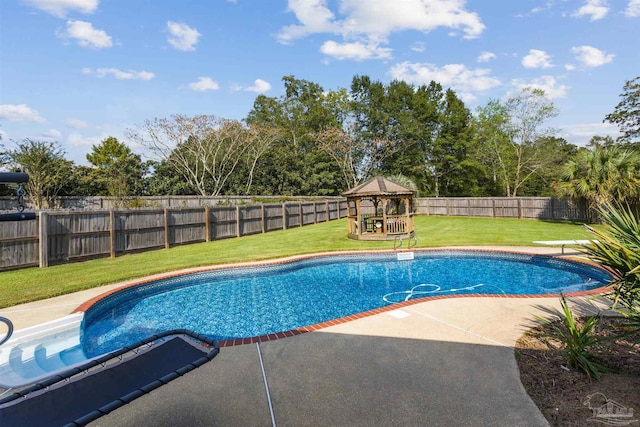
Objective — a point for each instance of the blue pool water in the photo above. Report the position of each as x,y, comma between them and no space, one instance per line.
246,302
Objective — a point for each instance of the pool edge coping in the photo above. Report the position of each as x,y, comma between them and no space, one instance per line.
82,308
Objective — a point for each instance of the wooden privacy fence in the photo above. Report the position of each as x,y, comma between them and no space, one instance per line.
550,208
58,237
85,203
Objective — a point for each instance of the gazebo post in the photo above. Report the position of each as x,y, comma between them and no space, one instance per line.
407,213
358,221
384,215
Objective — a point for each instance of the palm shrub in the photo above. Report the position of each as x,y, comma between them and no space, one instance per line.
617,247
577,340
631,322
602,175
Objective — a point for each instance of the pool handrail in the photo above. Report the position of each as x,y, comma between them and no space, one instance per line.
9,332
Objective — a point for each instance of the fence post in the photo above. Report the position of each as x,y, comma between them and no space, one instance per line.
300,213
166,229
43,237
237,220
262,218
315,212
493,207
207,226
284,215
112,233
519,209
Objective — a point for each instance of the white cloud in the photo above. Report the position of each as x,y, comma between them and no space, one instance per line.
486,56
464,81
382,17
581,133
182,36
76,123
364,24
60,8
119,74
551,87
314,16
20,113
548,5
633,9
85,35
357,50
537,59
52,134
595,9
590,56
418,47
204,84
77,140
259,86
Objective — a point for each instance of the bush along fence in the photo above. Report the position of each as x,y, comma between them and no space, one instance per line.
59,237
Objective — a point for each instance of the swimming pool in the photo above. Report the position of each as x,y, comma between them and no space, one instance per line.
254,301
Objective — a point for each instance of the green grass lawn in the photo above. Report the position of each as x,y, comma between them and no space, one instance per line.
32,284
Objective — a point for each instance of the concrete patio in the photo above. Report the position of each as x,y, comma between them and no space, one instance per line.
446,362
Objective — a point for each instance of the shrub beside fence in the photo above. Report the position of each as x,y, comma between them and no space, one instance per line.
58,237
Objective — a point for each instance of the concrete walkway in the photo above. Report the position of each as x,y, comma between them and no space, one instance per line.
444,362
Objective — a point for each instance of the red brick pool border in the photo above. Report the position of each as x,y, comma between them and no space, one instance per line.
318,326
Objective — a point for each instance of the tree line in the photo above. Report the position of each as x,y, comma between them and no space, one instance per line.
310,141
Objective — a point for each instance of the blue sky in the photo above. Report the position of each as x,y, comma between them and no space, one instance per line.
78,71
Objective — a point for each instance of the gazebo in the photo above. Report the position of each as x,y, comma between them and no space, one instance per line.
379,209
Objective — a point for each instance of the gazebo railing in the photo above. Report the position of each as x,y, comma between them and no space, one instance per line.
391,224
397,224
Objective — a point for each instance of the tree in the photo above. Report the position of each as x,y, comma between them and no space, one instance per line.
262,138
513,135
492,146
453,171
602,175
345,150
598,140
372,124
117,171
295,164
556,152
392,125
47,168
82,182
4,158
627,113
204,149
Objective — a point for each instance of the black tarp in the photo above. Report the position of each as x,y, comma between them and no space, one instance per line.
87,397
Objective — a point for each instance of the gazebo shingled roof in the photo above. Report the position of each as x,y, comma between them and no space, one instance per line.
378,185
